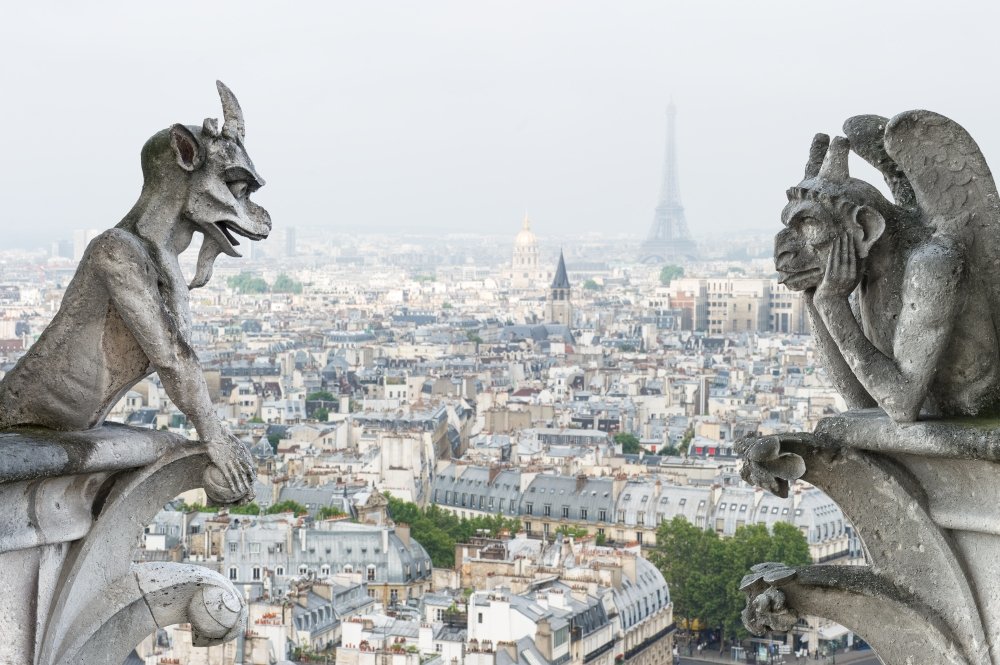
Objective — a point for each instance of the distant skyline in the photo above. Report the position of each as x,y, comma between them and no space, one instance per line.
459,116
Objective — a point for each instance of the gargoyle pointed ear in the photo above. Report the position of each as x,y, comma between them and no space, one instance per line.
187,148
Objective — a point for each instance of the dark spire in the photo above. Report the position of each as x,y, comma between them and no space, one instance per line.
561,280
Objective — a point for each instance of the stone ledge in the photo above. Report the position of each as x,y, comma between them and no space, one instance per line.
76,504
28,453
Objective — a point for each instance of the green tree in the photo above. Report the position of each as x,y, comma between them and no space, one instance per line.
629,443
321,396
326,512
249,509
247,282
285,284
287,507
591,285
573,531
198,508
321,414
704,571
438,530
600,539
274,439
473,336
669,273
692,561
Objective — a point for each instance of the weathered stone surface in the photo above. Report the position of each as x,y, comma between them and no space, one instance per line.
126,312
76,494
76,597
917,476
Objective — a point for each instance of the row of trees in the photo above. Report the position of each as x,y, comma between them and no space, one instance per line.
631,446
247,282
703,570
439,530
254,509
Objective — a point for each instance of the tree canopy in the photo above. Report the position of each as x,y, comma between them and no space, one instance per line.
629,443
669,273
703,571
285,284
247,282
439,530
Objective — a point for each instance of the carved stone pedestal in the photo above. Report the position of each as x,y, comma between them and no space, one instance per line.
73,506
925,499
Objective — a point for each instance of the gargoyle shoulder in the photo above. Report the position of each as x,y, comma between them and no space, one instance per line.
940,256
119,254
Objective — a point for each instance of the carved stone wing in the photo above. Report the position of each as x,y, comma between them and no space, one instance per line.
949,175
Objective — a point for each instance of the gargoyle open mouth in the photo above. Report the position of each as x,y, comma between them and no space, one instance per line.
228,229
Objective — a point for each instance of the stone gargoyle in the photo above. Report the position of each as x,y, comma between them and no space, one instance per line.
904,301
75,492
126,313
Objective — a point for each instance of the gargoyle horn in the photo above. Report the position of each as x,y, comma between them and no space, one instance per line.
834,166
817,151
233,126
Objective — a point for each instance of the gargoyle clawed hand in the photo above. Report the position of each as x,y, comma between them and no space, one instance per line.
765,465
231,478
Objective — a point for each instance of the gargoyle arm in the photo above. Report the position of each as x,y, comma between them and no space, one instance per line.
839,371
131,282
931,298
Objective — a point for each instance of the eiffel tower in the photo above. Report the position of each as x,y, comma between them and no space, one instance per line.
669,238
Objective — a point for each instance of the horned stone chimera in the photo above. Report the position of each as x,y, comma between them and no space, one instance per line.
76,492
126,314
904,301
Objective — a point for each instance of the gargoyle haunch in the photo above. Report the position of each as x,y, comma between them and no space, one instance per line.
923,336
126,313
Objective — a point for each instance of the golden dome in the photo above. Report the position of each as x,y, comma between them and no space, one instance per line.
525,237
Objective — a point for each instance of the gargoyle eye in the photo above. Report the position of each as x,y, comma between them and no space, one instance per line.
239,188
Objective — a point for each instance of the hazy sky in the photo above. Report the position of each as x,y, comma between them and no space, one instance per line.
459,116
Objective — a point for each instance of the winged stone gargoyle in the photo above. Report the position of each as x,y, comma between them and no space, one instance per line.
126,312
904,301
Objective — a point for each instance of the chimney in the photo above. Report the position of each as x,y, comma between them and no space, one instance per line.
617,485
403,532
494,472
628,566
543,638
510,648
616,577
581,482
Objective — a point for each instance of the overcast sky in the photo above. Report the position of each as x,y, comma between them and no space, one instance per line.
460,116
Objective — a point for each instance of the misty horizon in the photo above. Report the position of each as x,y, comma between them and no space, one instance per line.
457,118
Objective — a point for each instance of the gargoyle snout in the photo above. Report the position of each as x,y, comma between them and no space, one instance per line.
783,259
